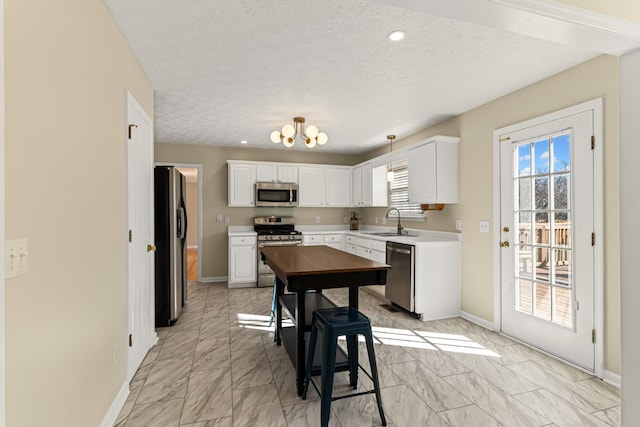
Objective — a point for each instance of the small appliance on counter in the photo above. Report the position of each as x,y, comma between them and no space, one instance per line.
353,221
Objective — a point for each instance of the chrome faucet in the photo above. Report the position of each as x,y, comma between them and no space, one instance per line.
400,227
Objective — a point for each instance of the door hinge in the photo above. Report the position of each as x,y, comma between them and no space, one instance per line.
130,236
130,127
593,336
593,239
593,142
130,340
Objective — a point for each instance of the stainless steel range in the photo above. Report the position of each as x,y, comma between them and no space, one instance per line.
273,231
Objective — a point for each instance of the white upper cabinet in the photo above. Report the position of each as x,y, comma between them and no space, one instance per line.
369,186
273,172
311,182
337,186
324,186
288,174
433,171
242,180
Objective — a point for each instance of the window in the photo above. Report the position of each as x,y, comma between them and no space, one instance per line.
399,193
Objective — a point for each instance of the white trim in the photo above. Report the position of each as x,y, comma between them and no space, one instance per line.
612,378
3,355
242,285
595,105
199,167
213,279
477,320
111,416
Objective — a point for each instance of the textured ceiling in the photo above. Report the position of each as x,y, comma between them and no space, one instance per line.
225,71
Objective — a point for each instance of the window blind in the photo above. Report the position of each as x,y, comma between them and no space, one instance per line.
399,192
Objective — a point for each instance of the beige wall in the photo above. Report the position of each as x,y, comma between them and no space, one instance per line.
214,193
593,79
628,10
67,68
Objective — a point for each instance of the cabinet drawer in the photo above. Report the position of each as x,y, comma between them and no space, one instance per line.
312,239
333,238
378,245
351,240
351,249
362,242
242,241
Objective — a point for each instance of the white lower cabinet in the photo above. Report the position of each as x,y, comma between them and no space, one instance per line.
243,261
312,239
334,240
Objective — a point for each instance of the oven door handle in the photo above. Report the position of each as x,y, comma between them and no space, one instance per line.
281,243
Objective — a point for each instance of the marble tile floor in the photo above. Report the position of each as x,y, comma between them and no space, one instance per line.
218,366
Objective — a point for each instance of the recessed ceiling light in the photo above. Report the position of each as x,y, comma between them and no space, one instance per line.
396,35
243,141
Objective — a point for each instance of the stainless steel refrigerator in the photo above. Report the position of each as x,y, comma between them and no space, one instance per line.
171,251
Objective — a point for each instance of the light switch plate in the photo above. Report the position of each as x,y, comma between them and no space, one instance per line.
458,225
16,258
484,226
317,220
219,218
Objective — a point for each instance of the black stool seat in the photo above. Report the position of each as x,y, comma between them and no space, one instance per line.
333,323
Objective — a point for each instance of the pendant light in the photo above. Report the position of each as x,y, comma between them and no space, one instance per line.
390,174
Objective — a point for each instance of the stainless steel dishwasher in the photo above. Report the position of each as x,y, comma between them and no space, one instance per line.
400,287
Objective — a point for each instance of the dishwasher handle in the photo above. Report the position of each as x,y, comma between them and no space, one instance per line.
400,250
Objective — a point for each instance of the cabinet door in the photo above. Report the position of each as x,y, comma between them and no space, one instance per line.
357,186
242,180
266,173
338,187
242,264
422,174
288,174
366,184
362,251
311,190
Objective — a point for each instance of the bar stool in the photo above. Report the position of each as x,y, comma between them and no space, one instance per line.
333,323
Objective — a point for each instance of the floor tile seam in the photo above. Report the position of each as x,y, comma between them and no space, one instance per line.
467,406
546,416
572,392
605,409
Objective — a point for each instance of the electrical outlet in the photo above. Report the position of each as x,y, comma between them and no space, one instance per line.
484,226
384,220
219,218
227,220
16,254
458,225
317,220
345,219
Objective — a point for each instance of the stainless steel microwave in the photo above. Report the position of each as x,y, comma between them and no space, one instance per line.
273,194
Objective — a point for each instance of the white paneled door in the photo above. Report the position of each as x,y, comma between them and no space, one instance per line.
547,241
140,289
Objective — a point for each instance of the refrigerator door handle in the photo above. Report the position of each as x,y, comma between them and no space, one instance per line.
181,223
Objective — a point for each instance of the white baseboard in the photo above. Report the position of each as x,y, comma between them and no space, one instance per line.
213,279
612,378
242,285
477,320
116,406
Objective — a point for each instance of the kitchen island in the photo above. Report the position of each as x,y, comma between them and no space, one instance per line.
313,268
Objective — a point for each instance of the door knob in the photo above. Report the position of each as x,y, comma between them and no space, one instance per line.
151,248
504,244
505,229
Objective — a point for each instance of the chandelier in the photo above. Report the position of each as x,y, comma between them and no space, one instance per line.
309,135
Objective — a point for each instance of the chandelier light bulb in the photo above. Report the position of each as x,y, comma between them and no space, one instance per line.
288,142
288,131
276,136
312,131
310,142
322,138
